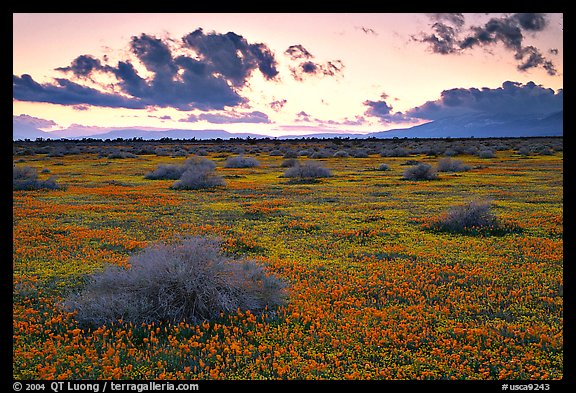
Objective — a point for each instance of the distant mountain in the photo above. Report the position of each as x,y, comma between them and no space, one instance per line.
482,125
26,131
478,125
327,135
20,131
172,134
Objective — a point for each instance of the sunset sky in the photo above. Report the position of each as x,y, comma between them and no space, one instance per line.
281,74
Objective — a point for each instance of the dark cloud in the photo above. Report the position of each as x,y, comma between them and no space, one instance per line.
446,27
383,111
532,21
83,66
229,118
231,56
65,92
511,98
454,18
191,118
278,104
366,30
377,108
208,75
307,67
531,57
298,52
155,55
448,37
443,40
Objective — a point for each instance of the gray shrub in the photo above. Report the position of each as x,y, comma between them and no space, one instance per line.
189,281
241,162
420,172
26,178
308,170
175,171
486,153
195,178
166,172
474,215
451,165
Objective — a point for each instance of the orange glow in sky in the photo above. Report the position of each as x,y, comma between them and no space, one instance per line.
339,67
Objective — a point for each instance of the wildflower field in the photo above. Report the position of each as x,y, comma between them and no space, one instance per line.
374,289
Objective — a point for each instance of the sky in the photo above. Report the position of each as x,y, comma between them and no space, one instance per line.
281,74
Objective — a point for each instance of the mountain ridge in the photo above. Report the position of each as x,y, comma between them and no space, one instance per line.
475,125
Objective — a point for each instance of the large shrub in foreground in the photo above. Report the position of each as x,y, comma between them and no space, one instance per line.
26,178
475,217
188,281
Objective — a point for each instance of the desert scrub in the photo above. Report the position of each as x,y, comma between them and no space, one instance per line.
195,173
308,170
487,153
420,172
475,217
166,172
175,171
195,178
289,163
189,281
26,178
341,154
241,162
448,164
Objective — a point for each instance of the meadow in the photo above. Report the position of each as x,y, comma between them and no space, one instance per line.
374,291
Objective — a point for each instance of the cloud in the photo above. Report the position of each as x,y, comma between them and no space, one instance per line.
207,74
378,108
83,66
229,118
306,67
447,37
302,117
366,30
455,18
231,56
32,121
383,111
164,117
446,28
356,121
298,52
65,92
511,98
277,105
